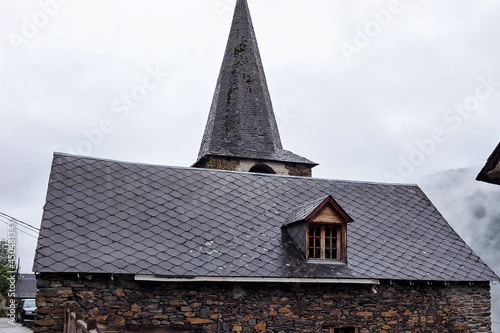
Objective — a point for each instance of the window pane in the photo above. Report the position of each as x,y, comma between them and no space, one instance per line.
314,249
323,243
334,238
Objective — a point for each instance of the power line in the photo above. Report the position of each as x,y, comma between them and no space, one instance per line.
15,222
26,232
20,222
18,226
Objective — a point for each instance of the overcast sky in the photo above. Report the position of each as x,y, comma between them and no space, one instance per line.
370,90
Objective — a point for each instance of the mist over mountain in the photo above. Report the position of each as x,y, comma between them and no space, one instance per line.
473,210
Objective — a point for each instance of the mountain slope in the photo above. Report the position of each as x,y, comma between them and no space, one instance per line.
473,210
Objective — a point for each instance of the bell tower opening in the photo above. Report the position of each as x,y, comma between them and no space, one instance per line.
262,168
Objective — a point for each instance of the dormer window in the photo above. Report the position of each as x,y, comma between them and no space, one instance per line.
319,231
324,242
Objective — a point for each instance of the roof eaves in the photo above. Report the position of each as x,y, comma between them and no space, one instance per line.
307,210
490,173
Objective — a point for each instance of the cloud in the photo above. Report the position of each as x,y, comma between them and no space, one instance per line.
472,209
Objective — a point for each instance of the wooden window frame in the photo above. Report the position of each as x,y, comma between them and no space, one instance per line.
341,242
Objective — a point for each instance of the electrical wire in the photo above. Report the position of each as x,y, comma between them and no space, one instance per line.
20,222
18,228
24,232
29,229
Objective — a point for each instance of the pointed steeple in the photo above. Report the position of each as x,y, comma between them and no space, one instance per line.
241,123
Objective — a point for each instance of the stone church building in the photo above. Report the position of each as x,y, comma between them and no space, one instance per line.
246,240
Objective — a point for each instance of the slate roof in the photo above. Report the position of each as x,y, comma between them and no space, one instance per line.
302,212
26,286
241,122
113,217
491,171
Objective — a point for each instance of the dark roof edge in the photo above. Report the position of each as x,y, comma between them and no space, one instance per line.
257,278
491,163
312,208
59,154
250,279
194,165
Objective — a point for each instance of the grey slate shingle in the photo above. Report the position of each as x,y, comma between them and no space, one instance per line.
302,212
198,222
26,286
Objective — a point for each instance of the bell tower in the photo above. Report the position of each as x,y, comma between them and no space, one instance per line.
241,132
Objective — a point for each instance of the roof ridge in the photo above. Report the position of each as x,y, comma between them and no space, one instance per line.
60,154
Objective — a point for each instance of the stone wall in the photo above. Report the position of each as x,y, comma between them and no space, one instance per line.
219,163
244,165
124,305
298,170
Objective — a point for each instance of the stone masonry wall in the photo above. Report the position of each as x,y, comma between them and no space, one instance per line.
124,305
219,163
239,164
298,170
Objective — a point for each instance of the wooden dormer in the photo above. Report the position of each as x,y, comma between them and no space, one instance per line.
329,211
319,231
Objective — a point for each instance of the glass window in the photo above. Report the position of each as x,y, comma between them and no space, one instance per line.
323,242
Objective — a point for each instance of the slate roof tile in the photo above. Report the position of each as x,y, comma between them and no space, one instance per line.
184,221
26,286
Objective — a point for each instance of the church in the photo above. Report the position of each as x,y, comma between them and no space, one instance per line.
246,239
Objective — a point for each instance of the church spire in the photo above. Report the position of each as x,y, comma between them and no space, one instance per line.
241,124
